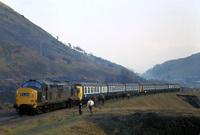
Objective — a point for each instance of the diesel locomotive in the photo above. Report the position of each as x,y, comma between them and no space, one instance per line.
38,96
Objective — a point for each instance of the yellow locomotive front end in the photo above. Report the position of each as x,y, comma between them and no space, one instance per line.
26,100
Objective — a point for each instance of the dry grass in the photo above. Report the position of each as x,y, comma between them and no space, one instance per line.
70,122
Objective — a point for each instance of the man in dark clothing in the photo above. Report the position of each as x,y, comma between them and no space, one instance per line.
102,99
124,95
80,106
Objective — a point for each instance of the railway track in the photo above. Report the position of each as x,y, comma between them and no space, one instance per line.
11,117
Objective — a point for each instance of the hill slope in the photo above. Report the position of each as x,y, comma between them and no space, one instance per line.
185,71
27,51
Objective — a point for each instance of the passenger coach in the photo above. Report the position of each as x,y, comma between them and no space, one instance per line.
89,90
132,88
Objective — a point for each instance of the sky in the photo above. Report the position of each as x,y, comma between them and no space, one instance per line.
137,34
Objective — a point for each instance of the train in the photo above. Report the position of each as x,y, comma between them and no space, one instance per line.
39,96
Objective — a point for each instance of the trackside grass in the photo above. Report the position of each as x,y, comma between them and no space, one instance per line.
68,121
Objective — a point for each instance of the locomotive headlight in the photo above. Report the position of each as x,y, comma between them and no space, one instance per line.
32,93
17,91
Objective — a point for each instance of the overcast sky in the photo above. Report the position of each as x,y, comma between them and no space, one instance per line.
137,34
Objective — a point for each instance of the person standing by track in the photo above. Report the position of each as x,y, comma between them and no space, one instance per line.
90,104
80,106
102,99
95,101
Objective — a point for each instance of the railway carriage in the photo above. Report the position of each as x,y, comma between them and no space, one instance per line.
148,88
159,87
114,89
174,87
89,90
162,87
132,88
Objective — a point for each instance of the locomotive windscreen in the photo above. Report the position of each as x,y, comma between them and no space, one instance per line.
32,84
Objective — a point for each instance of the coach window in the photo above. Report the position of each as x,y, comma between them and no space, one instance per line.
95,89
85,89
116,88
92,89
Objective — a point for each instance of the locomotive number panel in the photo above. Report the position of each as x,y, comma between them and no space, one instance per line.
23,94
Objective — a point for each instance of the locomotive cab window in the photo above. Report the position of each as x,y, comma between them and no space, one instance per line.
32,84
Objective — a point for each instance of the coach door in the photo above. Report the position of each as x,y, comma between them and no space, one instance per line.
79,91
140,88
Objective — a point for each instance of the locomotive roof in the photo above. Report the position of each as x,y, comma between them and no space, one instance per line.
51,82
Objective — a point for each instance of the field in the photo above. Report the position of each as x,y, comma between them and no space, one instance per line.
164,113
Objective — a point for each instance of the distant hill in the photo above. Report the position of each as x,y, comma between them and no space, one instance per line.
185,71
27,51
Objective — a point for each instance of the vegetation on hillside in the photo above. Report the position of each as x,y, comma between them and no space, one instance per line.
184,71
29,52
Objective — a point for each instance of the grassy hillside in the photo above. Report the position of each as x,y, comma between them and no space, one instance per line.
29,52
151,114
184,71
